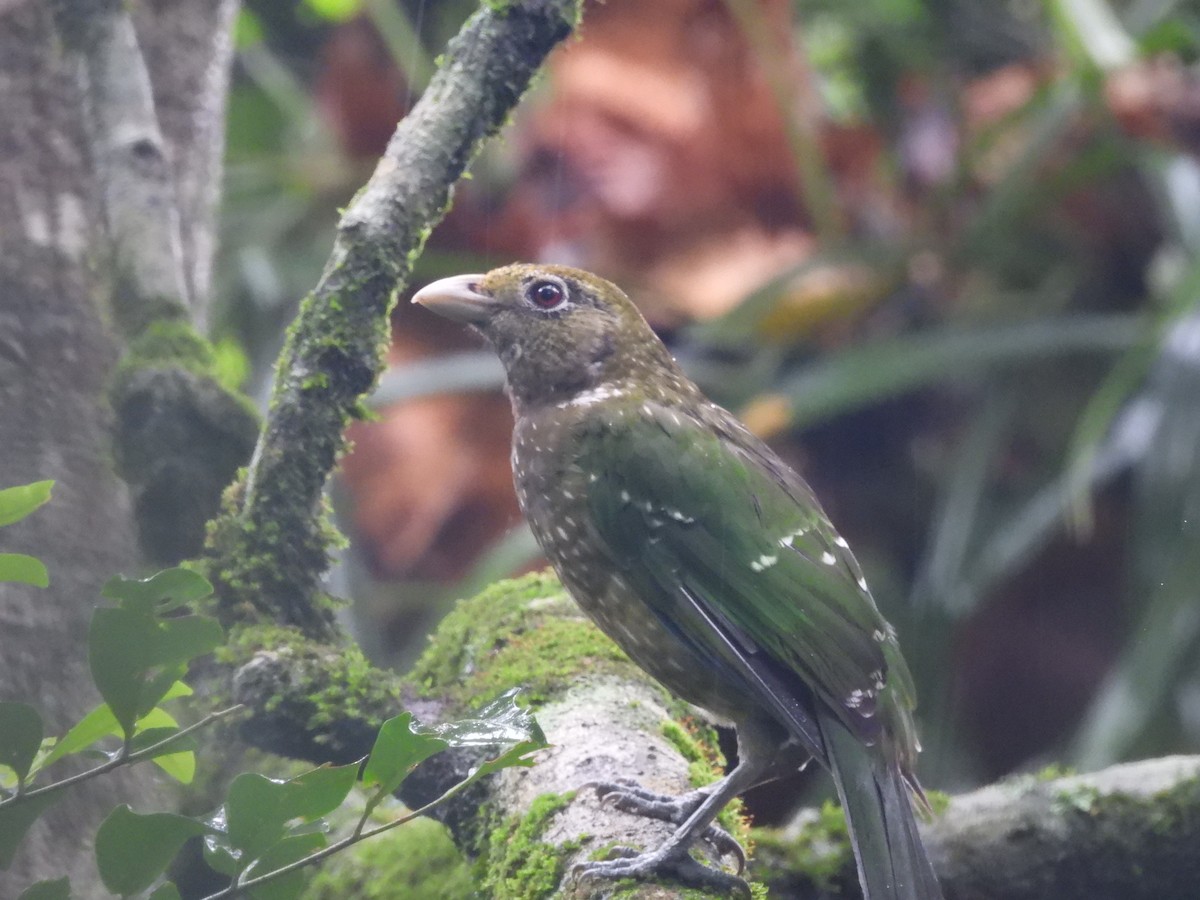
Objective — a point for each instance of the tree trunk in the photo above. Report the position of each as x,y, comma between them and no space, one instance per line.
57,358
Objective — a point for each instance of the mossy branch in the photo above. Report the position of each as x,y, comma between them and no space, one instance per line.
1128,832
273,546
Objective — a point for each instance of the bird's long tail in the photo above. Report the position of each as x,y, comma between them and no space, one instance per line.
892,863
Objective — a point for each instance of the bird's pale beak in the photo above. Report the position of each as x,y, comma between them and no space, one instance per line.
458,298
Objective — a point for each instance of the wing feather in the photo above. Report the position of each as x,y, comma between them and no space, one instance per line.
725,540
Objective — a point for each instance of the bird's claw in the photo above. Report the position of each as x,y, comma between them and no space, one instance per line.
629,796
678,866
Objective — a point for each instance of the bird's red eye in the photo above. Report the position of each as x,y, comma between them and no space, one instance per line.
546,294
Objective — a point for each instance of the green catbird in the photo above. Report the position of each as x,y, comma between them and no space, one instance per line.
708,560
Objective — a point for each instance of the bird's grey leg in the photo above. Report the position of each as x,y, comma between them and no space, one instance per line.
756,750
629,796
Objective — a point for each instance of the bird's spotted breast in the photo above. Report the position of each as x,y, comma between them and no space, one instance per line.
555,489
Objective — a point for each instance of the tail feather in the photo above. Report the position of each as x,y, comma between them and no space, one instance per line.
892,863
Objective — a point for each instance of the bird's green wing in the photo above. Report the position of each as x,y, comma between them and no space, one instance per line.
719,534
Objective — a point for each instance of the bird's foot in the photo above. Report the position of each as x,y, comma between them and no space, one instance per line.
675,863
629,796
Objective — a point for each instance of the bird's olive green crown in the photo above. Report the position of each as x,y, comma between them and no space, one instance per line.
559,331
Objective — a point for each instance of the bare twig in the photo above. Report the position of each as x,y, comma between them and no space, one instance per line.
123,758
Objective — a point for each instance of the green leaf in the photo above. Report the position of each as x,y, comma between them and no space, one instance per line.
257,808
516,755
125,644
18,502
319,791
500,722
335,10
133,849
183,638
164,591
20,736
152,736
255,813
156,718
291,849
178,689
121,648
56,889
99,723
872,373
220,855
16,819
179,765
155,686
398,749
24,569
177,759
166,891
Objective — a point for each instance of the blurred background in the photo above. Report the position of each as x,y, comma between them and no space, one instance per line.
943,254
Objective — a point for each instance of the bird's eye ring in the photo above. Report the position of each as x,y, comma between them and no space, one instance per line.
547,294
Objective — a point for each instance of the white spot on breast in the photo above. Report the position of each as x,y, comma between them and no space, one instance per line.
764,562
625,498
828,558
562,533
598,394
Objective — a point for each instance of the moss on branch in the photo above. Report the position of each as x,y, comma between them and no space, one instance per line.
1126,833
335,348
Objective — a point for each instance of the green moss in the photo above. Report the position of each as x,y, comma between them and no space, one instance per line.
340,685
415,860
174,343
819,854
1174,810
524,631
259,570
518,865
683,742
1079,797
1053,772
181,434
939,802
171,341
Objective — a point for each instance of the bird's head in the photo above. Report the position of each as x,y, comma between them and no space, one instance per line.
559,331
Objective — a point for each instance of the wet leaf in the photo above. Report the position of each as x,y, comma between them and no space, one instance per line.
132,849
20,736
18,502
